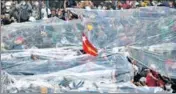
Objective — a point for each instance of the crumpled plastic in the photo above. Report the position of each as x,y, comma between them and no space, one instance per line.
140,28
60,67
70,72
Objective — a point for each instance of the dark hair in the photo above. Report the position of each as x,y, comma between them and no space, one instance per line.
174,3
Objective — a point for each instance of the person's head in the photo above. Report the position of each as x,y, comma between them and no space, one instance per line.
53,11
13,19
33,57
104,8
153,67
134,62
7,16
23,2
2,16
43,5
147,70
171,3
60,11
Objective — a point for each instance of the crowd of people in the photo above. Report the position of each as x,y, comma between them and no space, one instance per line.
28,10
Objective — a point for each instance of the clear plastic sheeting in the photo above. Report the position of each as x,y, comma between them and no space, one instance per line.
63,67
16,26
136,28
112,31
59,66
164,60
50,20
148,13
45,35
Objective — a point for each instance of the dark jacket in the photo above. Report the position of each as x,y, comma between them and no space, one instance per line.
6,21
70,3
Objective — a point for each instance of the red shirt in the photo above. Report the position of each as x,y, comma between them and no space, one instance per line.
150,81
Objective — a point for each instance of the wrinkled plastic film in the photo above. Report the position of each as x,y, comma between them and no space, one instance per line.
60,67
77,68
143,27
164,61
42,35
129,30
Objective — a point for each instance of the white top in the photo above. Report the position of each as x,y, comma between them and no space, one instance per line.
44,12
135,68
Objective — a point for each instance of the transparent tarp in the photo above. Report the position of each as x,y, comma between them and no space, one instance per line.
164,60
57,66
41,34
60,66
130,30
149,13
141,28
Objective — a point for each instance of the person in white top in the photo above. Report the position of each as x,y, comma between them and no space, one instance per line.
135,67
44,11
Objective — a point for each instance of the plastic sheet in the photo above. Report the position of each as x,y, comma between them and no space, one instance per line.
45,35
111,31
163,59
50,70
148,13
136,28
125,30
61,68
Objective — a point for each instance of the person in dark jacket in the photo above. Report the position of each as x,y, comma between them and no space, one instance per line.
69,3
53,13
23,11
5,20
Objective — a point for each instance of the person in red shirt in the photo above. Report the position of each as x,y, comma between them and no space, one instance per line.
151,79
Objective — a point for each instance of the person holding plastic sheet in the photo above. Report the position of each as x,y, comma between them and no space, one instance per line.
135,67
71,15
60,14
153,78
137,76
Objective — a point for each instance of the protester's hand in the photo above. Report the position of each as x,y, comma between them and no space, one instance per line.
65,5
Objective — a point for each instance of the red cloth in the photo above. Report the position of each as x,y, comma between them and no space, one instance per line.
88,47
